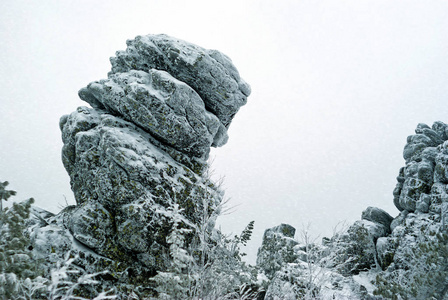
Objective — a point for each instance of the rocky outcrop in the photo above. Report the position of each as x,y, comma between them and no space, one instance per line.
276,249
417,248
209,72
137,166
137,159
425,168
404,257
304,270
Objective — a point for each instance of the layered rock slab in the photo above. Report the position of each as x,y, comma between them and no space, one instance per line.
209,72
167,108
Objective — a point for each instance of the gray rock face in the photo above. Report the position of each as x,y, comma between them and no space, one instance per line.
137,159
403,258
416,248
125,186
426,160
167,108
209,72
386,248
276,249
377,215
399,220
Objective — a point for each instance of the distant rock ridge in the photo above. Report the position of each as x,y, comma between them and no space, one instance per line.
138,158
378,257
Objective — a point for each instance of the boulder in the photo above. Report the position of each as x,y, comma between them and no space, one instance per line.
386,248
165,107
276,249
125,186
354,251
377,215
418,180
92,225
209,72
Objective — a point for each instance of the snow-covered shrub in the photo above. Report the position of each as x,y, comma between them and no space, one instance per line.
312,275
67,278
18,269
210,267
221,272
4,194
174,283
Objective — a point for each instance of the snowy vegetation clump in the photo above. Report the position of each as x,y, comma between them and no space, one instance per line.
22,274
143,226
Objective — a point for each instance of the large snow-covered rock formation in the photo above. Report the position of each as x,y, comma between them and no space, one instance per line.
143,223
137,159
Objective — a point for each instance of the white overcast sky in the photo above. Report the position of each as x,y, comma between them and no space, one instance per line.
337,86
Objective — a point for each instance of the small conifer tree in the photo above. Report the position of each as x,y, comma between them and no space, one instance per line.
16,260
174,283
4,195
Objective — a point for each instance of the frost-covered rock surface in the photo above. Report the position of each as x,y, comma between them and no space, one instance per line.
304,270
381,257
143,223
167,108
209,72
414,256
276,249
137,161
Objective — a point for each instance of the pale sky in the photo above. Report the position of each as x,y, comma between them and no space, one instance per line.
337,86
